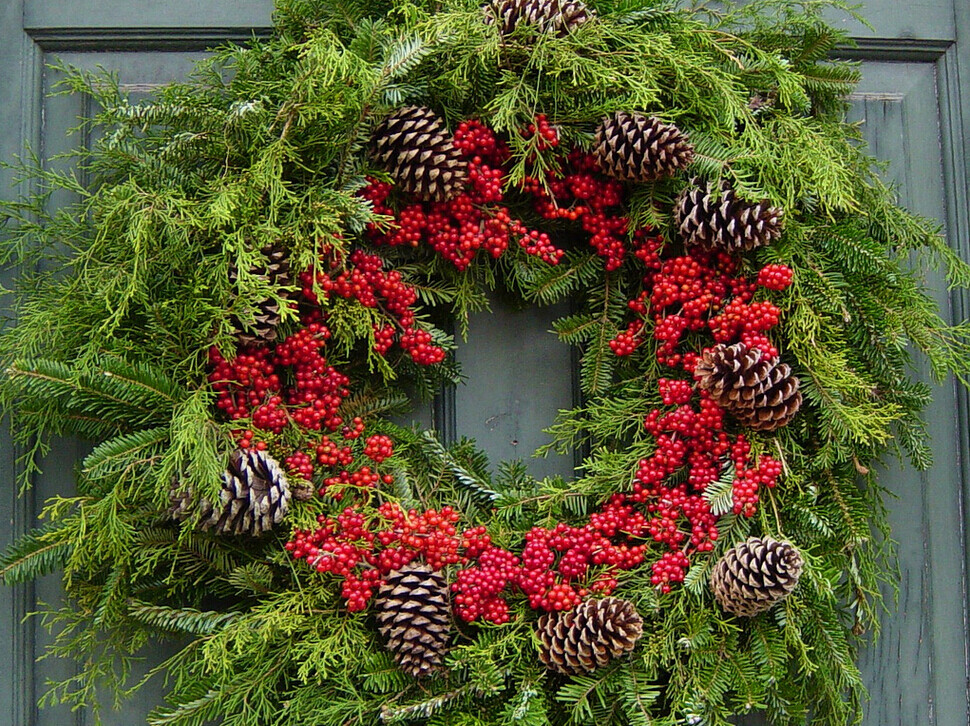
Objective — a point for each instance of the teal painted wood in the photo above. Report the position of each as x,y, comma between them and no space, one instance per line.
517,377
145,14
920,20
17,120
917,672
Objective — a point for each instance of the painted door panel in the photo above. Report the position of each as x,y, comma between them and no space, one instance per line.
917,670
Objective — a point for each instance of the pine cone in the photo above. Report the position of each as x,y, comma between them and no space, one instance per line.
413,616
415,148
255,496
760,392
631,147
755,574
546,16
727,223
588,637
267,315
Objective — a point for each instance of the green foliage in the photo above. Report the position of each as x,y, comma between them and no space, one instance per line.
39,552
129,287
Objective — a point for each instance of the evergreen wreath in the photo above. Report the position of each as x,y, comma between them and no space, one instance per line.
255,281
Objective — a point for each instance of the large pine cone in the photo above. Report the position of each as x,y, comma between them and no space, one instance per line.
414,617
255,496
588,637
632,147
760,392
546,16
727,223
415,148
276,271
756,574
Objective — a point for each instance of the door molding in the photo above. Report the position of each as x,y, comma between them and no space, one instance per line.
141,39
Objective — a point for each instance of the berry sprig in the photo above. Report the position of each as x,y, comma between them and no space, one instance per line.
251,385
557,568
696,292
364,279
545,133
363,549
479,218
581,192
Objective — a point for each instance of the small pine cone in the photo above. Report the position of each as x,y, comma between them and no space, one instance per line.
755,574
760,392
588,637
415,148
728,223
255,496
276,271
631,147
414,618
546,16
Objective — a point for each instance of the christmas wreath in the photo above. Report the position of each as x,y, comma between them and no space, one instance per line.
259,272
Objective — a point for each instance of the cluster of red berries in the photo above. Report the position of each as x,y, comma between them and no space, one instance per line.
775,277
363,278
251,385
700,291
474,220
477,219
545,133
686,439
339,458
379,447
580,192
691,440
748,322
362,549
557,568
748,480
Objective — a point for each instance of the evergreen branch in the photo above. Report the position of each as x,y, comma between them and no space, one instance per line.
39,552
180,620
437,453
120,451
424,709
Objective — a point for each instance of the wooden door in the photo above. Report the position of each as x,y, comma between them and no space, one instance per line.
916,115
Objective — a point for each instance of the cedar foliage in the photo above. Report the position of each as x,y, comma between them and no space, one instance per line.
267,142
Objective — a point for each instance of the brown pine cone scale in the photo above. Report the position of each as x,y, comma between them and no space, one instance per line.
760,392
727,223
266,316
750,578
558,17
255,497
414,618
415,148
589,636
633,147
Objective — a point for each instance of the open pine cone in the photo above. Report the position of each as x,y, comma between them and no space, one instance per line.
753,576
727,223
415,148
267,314
588,637
633,147
414,617
255,496
760,392
546,16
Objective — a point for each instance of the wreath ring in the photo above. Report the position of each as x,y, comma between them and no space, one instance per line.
261,265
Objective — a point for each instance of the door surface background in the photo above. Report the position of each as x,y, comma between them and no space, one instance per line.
916,115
